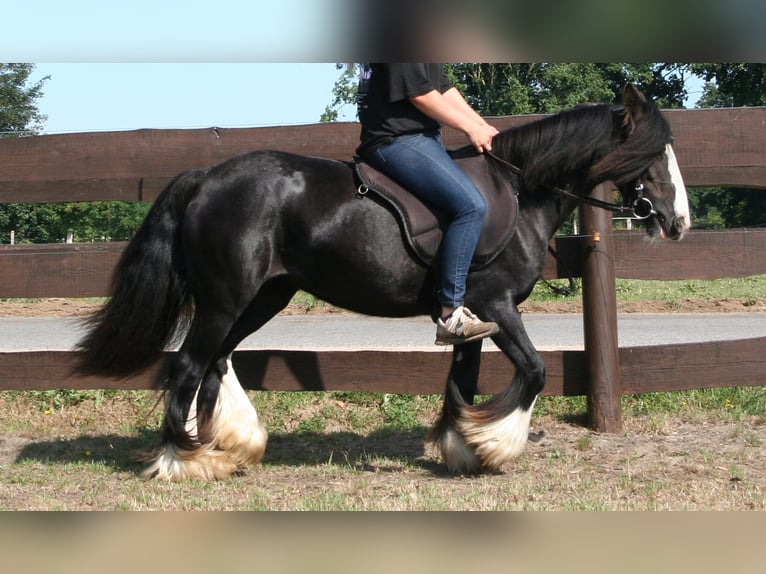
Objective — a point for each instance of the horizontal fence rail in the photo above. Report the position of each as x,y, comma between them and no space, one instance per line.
714,147
643,369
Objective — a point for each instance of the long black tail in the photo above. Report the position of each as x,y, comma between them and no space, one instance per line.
148,292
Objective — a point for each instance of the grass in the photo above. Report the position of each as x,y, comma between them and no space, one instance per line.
311,413
723,404
322,458
752,287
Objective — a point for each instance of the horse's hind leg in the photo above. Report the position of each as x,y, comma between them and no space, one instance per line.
232,426
226,417
182,455
211,427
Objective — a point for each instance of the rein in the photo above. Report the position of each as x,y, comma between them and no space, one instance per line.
641,208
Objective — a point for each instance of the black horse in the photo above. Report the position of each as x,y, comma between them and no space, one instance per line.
228,247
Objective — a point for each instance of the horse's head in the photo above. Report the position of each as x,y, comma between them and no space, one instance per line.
651,182
658,197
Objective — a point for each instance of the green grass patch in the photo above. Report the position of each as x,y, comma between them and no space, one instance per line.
361,412
727,403
751,287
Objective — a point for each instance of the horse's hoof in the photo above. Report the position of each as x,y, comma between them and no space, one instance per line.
176,464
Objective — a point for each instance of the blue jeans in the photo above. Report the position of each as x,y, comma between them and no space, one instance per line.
420,163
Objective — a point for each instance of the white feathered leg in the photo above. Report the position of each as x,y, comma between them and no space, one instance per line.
238,439
498,442
472,445
236,427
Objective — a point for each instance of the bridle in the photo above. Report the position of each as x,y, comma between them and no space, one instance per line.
640,208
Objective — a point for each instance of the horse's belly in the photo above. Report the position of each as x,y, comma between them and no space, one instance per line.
364,267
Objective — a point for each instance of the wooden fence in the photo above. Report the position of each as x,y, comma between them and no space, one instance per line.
714,147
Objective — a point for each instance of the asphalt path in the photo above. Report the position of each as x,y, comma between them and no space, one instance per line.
357,332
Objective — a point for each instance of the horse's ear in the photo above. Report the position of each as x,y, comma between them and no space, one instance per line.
633,101
631,95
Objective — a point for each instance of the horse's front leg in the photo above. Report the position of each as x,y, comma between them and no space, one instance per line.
472,438
464,373
462,384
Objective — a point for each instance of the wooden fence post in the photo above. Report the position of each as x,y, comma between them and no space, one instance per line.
600,316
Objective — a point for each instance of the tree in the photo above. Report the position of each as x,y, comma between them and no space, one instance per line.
732,85
18,109
343,91
509,89
517,89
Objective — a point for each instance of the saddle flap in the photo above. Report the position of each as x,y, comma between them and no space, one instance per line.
422,225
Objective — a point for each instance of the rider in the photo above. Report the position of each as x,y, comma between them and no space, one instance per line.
401,108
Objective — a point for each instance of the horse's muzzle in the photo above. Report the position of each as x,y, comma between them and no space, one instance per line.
677,228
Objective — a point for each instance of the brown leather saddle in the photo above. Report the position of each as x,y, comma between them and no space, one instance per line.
422,226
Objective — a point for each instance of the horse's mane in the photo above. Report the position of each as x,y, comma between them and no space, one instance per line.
600,142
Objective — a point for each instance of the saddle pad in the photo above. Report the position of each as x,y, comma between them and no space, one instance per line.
423,226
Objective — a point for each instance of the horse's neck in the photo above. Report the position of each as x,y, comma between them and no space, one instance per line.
542,216
560,149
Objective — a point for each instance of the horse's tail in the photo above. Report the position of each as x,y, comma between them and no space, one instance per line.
148,292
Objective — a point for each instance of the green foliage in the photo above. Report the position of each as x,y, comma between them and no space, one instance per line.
87,221
493,89
732,85
516,89
344,93
61,398
727,207
18,111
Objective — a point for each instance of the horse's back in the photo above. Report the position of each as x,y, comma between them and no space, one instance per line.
263,184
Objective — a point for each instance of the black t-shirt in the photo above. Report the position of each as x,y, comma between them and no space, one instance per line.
383,101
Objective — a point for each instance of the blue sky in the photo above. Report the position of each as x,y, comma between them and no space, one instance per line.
122,96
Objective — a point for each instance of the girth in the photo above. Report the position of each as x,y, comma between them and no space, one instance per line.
423,226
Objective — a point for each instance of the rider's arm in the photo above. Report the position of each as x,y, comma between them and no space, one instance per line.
451,109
